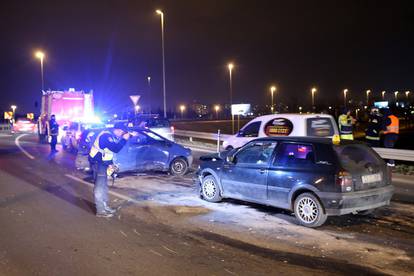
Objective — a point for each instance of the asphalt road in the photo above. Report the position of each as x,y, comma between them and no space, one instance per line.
48,227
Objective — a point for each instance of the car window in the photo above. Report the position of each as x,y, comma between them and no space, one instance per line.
357,158
138,138
295,154
251,130
319,127
154,136
256,153
157,123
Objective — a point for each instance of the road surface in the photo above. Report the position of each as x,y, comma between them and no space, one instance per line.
48,227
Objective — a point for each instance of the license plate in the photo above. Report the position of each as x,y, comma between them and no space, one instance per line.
371,178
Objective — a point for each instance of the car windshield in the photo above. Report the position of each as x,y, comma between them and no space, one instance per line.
357,158
153,136
157,123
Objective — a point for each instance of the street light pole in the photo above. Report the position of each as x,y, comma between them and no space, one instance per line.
163,61
368,92
40,55
217,108
149,94
383,95
272,91
345,92
396,95
13,107
313,91
230,67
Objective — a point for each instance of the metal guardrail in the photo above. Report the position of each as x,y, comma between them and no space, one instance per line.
4,127
396,154
385,153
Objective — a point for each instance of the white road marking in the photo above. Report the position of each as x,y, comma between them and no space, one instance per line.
16,141
123,233
170,250
121,196
155,252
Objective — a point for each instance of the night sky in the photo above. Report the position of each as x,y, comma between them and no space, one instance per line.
112,46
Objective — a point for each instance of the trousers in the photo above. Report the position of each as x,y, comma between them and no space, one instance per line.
100,190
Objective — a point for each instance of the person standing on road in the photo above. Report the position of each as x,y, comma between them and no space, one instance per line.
391,133
345,123
53,130
374,128
101,155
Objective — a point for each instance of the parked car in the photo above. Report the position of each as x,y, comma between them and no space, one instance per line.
159,125
24,125
72,134
313,177
317,125
144,151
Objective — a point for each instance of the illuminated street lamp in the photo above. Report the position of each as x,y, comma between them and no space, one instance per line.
149,94
159,12
383,95
345,92
396,95
40,55
13,107
182,109
217,109
300,109
230,66
407,94
272,91
313,91
368,92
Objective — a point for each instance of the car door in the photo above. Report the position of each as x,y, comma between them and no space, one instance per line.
246,176
155,152
130,157
293,164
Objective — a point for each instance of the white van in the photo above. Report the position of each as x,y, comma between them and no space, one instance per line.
317,125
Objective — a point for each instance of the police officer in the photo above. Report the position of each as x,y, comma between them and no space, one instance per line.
391,133
101,154
345,122
374,128
53,130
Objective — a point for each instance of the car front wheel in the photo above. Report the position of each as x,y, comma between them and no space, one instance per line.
179,166
210,190
309,210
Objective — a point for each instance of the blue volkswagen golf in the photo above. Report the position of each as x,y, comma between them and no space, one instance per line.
313,177
144,151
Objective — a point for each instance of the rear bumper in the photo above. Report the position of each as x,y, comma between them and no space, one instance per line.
346,203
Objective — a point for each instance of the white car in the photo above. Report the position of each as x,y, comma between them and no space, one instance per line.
160,126
316,125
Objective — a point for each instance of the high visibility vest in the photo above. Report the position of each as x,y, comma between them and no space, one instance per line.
394,127
107,155
345,124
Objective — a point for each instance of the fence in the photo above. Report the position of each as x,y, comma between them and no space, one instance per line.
4,127
396,154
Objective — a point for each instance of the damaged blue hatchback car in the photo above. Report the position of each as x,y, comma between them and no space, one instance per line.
313,177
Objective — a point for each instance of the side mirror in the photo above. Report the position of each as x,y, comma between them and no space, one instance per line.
231,159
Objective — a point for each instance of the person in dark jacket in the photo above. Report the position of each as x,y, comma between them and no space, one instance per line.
101,155
53,130
374,128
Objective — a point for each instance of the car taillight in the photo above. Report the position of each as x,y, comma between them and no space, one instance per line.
344,179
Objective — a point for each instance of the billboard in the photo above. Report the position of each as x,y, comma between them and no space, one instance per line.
240,109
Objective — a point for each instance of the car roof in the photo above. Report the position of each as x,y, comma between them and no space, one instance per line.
292,116
306,139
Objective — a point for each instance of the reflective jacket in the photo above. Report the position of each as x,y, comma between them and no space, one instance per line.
107,155
374,128
393,126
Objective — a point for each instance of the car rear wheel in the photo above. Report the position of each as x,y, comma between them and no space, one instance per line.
210,190
309,210
179,166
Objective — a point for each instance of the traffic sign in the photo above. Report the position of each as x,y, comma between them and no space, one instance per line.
135,99
8,115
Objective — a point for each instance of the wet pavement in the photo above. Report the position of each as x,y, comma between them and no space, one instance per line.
163,228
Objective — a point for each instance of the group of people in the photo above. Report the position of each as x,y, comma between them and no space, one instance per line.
382,124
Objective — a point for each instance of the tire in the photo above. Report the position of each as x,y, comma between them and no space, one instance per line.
179,166
309,210
210,189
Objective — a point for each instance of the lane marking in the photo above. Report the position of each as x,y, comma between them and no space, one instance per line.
121,196
155,252
17,142
170,250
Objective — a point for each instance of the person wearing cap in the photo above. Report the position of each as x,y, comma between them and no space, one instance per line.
101,155
345,123
374,128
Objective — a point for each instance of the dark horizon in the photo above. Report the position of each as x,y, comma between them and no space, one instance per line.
112,47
